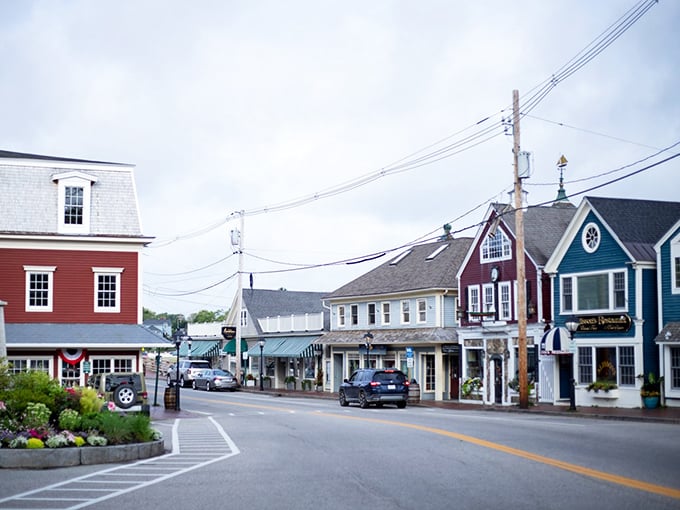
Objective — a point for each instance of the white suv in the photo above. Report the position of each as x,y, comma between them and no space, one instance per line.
188,368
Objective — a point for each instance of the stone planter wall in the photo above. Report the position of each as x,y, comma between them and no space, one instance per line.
64,457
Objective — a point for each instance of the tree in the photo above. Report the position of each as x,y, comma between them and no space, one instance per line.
203,316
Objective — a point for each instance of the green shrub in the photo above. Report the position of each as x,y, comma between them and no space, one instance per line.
30,386
90,421
90,401
36,415
69,419
114,427
140,428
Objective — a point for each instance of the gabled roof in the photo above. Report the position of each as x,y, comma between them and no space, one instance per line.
638,224
543,227
411,270
271,303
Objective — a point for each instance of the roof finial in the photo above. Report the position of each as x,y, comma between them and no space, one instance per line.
561,194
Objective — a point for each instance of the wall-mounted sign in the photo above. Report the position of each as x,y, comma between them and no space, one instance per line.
614,322
451,348
229,332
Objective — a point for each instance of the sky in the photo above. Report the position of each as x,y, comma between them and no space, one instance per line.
340,129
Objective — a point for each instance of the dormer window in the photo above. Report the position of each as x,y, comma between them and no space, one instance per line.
74,190
496,247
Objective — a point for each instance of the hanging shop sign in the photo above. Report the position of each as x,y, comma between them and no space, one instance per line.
613,322
229,332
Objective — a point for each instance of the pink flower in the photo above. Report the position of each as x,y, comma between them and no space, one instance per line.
111,406
2,406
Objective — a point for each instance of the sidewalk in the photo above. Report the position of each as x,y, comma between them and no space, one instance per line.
659,415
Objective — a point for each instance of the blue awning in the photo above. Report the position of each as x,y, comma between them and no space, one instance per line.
285,347
556,341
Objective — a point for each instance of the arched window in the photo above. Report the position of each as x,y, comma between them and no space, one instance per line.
496,247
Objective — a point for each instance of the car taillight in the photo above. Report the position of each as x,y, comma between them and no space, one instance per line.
375,383
144,394
407,383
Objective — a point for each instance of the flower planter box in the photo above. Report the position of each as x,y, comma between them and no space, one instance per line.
606,395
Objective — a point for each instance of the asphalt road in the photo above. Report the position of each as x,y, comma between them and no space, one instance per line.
244,450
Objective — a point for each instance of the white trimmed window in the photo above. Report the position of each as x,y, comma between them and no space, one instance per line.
354,315
371,313
39,288
405,312
18,365
675,266
489,298
385,314
341,316
594,292
614,364
505,312
497,247
421,304
74,190
590,237
107,289
473,303
103,365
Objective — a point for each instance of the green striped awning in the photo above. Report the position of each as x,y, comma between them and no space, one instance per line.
230,347
200,348
285,347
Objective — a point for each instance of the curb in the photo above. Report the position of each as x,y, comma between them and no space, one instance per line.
73,456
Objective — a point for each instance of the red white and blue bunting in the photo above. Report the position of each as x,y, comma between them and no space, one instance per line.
72,356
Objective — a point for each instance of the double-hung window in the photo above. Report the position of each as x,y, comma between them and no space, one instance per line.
473,303
341,315
107,289
421,304
75,189
371,313
385,314
354,315
39,288
505,300
405,312
489,305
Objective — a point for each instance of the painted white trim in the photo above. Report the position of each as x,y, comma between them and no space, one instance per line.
610,274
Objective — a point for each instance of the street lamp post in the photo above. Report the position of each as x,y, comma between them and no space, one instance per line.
189,347
368,338
572,326
261,363
178,342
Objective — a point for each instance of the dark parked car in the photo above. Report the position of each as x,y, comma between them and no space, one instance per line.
214,379
375,386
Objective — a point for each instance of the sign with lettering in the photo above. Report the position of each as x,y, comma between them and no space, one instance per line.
451,348
229,332
615,323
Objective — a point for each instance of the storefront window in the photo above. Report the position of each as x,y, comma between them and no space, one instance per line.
428,360
475,367
675,368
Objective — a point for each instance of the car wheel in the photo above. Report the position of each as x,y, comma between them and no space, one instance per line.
401,405
194,385
181,382
124,396
207,386
169,381
363,403
342,399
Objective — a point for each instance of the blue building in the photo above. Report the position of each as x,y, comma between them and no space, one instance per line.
604,276
668,339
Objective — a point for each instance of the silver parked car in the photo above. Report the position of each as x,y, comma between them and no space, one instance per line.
214,379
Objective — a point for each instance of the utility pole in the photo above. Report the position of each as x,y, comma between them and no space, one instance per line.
519,255
239,298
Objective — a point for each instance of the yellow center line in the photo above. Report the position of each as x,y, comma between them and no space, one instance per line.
567,466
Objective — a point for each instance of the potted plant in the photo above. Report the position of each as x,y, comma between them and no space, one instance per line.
250,380
307,384
290,382
471,387
650,391
267,381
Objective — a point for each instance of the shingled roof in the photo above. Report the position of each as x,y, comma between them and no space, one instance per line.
638,224
412,270
543,227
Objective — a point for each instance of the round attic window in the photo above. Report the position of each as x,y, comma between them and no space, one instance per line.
591,237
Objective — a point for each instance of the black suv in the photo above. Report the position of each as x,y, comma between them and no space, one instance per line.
127,390
375,386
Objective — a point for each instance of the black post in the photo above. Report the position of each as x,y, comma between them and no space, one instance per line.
178,342
261,366
158,368
572,385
